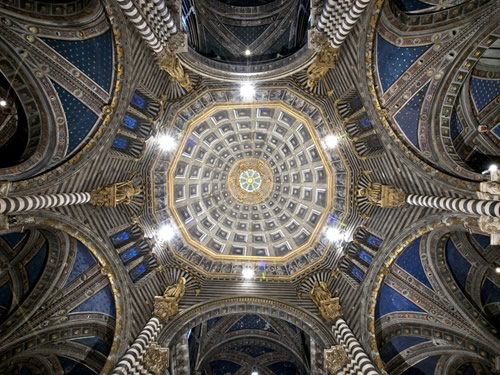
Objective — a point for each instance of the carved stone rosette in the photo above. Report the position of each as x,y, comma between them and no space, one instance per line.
156,359
335,359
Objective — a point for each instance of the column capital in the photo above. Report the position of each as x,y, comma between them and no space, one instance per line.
156,359
328,306
166,306
385,196
335,359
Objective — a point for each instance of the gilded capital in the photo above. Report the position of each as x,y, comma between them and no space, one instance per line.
169,62
166,306
328,306
385,196
326,59
156,359
335,359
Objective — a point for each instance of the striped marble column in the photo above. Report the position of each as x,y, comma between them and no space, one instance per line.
359,363
468,206
36,202
131,362
339,17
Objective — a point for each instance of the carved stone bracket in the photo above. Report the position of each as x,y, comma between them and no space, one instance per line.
168,61
156,359
113,195
335,359
490,225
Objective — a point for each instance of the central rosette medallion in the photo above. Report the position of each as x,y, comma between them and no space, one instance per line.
250,181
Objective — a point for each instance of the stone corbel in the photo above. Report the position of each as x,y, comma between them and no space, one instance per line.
490,225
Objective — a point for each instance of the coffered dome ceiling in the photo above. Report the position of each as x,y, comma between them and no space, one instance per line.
250,182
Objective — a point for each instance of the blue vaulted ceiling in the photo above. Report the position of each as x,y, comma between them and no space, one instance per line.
251,321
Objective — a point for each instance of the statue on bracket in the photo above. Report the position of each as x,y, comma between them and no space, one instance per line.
166,306
329,307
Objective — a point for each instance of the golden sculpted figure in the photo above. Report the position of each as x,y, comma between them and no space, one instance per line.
166,306
326,60
385,196
156,359
329,307
335,359
113,195
169,62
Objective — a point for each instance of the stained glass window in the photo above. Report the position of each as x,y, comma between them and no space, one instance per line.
373,240
120,143
357,273
120,238
130,122
364,123
138,272
363,255
250,180
129,254
138,101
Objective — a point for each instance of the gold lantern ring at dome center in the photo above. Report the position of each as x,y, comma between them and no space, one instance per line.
263,190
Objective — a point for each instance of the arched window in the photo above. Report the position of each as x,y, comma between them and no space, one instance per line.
144,104
126,236
349,105
133,124
128,146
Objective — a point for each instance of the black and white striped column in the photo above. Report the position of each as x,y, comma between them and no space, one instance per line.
131,362
339,17
468,206
152,19
36,202
359,363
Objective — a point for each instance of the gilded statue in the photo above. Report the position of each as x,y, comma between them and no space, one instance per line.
335,359
166,306
113,195
325,60
156,359
385,196
169,62
329,307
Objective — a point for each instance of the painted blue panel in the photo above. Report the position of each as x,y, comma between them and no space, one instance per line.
363,255
483,91
95,343
393,61
490,293
130,122
79,118
483,241
247,34
283,368
411,5
357,273
138,272
83,261
5,296
455,125
398,344
36,265
409,260
459,266
409,116
496,130
391,301
93,56
425,367
253,350
129,254
13,239
71,367
138,101
222,367
251,321
102,301
365,123
120,143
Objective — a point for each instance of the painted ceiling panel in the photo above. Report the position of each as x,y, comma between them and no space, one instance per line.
224,367
93,56
79,118
251,321
412,5
391,301
95,343
13,239
483,91
459,266
83,261
393,61
455,125
71,367
35,266
102,301
410,261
